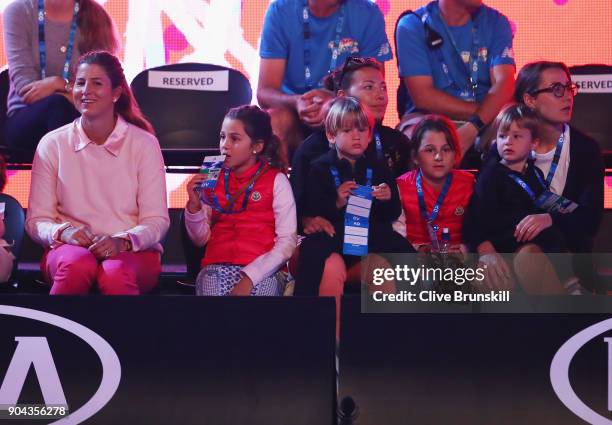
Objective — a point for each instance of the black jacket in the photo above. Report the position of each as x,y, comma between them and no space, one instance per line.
585,186
321,193
396,148
498,203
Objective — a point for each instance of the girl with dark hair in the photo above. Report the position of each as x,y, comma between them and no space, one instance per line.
435,196
363,79
250,230
98,191
43,40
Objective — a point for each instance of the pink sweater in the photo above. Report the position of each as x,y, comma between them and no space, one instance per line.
117,189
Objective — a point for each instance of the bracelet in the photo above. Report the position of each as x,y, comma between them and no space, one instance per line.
475,120
59,235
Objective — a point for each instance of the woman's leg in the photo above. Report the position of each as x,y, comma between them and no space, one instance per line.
272,286
129,273
363,272
332,283
70,269
6,264
535,271
26,126
217,279
314,251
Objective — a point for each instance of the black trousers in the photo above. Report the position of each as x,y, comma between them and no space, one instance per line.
315,249
26,126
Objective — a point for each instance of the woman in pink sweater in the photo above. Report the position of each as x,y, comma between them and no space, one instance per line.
98,192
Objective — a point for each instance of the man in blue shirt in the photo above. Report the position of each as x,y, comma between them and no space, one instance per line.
455,58
301,42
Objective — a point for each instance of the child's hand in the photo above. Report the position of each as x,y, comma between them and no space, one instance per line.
317,224
382,192
243,287
344,191
193,204
531,226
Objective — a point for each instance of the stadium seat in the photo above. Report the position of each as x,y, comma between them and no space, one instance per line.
593,103
187,121
14,222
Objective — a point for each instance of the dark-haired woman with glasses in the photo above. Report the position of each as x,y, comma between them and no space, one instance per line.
363,79
571,161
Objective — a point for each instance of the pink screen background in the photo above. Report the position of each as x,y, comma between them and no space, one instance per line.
227,32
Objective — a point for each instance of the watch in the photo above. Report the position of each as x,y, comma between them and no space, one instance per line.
475,120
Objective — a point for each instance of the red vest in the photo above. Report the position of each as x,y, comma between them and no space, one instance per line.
451,212
242,237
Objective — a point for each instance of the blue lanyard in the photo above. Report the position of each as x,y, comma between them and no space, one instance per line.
336,176
472,70
555,162
436,209
307,34
525,186
41,40
214,202
379,149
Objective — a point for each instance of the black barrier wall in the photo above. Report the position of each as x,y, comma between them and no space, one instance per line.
470,368
179,360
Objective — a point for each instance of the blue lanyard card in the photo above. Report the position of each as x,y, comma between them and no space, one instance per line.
356,222
360,202
551,202
211,167
355,236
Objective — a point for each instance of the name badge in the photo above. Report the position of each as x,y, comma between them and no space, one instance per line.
356,222
551,202
211,168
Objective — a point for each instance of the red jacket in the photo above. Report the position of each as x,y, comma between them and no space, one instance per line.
242,237
451,212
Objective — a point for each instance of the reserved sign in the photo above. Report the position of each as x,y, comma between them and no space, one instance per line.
599,83
194,80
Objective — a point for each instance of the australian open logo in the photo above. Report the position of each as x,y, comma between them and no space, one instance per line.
560,372
57,378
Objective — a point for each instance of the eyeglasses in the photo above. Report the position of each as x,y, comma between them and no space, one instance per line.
558,89
430,150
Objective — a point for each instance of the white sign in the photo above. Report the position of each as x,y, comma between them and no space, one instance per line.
190,80
599,83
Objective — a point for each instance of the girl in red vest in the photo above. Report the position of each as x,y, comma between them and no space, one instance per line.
435,195
249,227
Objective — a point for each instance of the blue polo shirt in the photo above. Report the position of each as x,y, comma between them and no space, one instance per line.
494,47
363,34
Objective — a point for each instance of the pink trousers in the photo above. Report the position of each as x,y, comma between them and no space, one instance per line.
72,270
